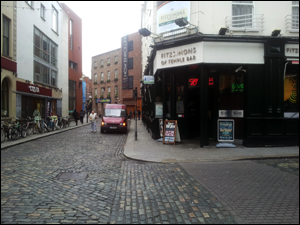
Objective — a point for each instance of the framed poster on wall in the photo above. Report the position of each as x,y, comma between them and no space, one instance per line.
158,110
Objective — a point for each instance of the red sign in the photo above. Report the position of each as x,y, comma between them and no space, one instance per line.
210,81
193,82
33,89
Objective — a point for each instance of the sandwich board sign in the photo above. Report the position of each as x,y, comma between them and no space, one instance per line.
171,132
226,132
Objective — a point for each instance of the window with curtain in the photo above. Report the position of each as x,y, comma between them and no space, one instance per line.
242,13
5,36
295,14
95,78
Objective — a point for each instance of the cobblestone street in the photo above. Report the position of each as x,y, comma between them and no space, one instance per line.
82,177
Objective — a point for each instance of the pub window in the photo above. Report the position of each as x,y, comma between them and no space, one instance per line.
231,83
291,91
5,36
4,98
130,82
130,46
130,63
242,13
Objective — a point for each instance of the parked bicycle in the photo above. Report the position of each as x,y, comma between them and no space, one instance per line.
66,121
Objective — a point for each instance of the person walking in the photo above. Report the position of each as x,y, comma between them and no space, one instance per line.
139,113
130,114
81,114
93,118
75,115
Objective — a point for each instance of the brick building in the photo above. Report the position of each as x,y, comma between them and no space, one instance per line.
75,59
132,76
106,80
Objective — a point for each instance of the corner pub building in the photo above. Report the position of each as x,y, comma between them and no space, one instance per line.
251,79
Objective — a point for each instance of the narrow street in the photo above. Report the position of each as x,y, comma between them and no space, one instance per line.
82,177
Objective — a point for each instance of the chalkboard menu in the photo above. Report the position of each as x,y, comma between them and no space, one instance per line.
170,131
225,130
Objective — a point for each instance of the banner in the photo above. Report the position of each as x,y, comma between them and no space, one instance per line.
124,62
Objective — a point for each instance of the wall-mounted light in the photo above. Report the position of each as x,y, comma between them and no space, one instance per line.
222,30
275,33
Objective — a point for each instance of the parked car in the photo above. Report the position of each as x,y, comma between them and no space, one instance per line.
114,118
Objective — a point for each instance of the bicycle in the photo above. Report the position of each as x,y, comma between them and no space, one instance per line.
7,129
66,121
29,125
60,123
21,127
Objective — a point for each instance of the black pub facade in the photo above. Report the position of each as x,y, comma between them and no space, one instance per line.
251,79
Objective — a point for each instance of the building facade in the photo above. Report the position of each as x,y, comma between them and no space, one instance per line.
75,59
106,80
131,71
226,63
41,49
8,59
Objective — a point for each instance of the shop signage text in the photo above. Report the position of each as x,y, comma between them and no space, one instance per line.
292,50
210,81
180,56
34,89
148,79
231,113
193,82
125,63
104,100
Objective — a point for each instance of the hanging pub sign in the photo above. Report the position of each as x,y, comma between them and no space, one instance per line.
225,130
171,132
148,79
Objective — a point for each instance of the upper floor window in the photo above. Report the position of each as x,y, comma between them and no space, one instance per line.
95,64
102,91
130,63
116,59
116,90
95,78
5,42
108,61
116,73
295,14
96,92
73,65
108,75
101,63
42,11
54,20
108,90
242,13
130,46
102,76
71,34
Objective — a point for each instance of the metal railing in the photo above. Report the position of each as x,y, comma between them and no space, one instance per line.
246,23
292,23
175,34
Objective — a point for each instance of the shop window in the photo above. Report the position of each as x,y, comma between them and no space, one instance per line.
291,92
4,98
231,83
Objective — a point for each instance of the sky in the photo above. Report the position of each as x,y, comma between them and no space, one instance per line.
103,25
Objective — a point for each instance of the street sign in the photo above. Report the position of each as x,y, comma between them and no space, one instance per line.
148,79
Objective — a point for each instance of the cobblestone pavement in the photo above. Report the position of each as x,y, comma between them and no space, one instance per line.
82,177
260,191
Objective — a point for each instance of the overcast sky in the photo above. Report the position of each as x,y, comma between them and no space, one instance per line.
103,25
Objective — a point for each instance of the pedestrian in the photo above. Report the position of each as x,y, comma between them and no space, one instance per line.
81,116
75,115
139,113
130,114
134,114
93,118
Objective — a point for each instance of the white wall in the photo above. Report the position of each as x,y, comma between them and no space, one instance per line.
210,16
27,19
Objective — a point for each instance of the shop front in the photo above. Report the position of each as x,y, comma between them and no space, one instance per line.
32,97
210,79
